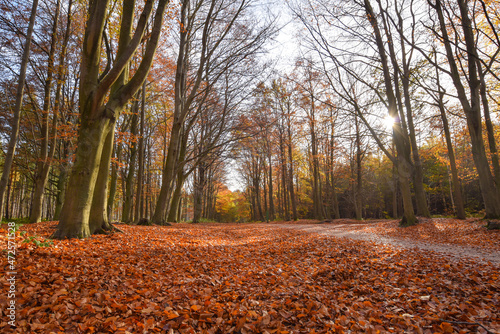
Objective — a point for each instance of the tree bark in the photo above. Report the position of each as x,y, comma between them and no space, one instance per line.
271,191
11,148
457,192
97,115
358,203
198,194
471,108
291,189
112,183
127,214
61,189
45,160
98,219
139,205
403,165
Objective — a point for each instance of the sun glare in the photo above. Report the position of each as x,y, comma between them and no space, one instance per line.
388,122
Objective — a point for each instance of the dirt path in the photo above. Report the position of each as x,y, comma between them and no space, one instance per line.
356,232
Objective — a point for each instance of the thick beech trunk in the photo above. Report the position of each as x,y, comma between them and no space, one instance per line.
76,208
98,112
99,218
181,177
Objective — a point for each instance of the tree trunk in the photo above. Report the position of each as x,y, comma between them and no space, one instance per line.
357,197
180,112
272,213
46,155
457,192
489,127
112,184
291,189
7,197
471,108
99,218
61,190
176,198
76,208
334,203
11,148
181,177
198,194
285,185
139,205
98,111
403,166
127,216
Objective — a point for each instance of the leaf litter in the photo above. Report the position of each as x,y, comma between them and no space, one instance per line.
244,278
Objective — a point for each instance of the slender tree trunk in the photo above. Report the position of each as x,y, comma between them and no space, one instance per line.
284,172
291,189
408,128
139,205
334,203
489,127
168,175
272,214
61,189
457,192
358,200
317,202
7,197
11,148
471,108
403,165
46,155
264,192
127,216
113,182
198,194
418,184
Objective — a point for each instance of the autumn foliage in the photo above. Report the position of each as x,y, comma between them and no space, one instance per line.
252,278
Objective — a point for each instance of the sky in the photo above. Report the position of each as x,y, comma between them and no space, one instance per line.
282,53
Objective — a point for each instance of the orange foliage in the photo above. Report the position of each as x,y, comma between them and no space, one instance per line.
247,278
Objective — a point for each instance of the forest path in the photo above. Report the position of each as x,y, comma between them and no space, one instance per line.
369,232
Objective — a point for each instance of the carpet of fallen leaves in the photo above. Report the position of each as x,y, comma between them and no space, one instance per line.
248,278
471,232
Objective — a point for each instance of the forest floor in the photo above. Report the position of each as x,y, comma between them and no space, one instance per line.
441,276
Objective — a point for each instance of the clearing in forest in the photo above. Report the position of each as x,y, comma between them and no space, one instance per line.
258,278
